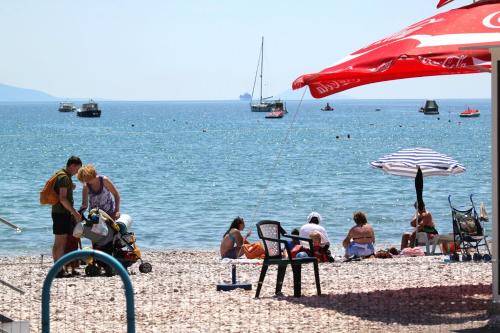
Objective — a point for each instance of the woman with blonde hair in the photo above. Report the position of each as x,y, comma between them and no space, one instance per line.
98,192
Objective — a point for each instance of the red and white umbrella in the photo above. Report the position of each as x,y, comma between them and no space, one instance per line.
439,45
443,2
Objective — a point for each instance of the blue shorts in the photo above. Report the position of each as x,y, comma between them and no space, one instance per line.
360,250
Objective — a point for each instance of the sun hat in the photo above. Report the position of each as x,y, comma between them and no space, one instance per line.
314,214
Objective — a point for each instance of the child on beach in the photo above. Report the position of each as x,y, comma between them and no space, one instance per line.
293,242
317,250
232,241
296,249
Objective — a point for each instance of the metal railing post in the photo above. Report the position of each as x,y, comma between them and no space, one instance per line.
106,258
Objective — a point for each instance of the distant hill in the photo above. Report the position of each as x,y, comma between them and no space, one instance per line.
296,95
15,94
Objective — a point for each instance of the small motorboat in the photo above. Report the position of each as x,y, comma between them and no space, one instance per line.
378,109
89,110
327,107
66,107
275,114
469,113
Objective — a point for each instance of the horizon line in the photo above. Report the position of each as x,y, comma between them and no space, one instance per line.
58,100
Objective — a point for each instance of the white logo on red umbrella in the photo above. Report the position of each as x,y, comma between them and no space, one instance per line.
332,85
492,20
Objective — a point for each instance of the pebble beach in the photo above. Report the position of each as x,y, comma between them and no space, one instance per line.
402,294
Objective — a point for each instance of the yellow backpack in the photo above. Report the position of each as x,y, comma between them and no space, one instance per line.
49,196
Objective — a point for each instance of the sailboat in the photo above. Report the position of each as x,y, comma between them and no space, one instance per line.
263,104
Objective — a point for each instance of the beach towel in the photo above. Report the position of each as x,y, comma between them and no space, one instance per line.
413,252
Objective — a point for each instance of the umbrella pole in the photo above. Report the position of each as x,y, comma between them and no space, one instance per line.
12,225
416,228
495,107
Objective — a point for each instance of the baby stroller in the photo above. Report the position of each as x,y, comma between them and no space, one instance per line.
111,237
468,233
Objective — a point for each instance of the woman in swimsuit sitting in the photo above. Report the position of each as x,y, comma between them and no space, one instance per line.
425,224
360,239
232,240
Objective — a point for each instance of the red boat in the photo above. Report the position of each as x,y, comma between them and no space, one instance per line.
275,114
470,113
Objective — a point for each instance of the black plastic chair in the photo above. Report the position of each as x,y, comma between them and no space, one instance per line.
468,231
270,232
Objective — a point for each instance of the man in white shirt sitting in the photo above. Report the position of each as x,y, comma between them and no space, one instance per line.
312,225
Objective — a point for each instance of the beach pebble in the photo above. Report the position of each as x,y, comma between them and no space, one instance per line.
378,295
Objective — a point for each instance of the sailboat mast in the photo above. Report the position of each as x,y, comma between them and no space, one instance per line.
261,66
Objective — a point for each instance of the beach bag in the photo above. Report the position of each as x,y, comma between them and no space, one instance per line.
49,196
254,250
100,228
383,254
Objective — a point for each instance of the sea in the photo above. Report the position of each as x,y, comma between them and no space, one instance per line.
185,169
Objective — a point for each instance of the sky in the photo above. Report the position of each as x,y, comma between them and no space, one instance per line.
204,49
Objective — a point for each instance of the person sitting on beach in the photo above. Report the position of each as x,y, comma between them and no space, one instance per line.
317,250
291,243
232,240
425,224
360,239
98,192
294,246
312,225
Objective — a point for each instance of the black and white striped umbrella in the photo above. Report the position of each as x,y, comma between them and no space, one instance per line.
406,162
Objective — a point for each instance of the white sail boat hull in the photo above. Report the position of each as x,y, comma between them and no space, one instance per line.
264,104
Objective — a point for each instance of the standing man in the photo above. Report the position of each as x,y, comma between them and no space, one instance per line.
63,213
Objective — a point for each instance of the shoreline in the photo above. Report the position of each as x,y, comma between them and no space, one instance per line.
418,294
336,249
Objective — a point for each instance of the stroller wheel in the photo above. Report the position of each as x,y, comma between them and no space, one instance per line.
454,257
487,258
145,267
466,257
92,270
109,271
477,257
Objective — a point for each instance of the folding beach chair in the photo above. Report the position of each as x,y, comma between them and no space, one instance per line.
430,243
468,232
270,232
